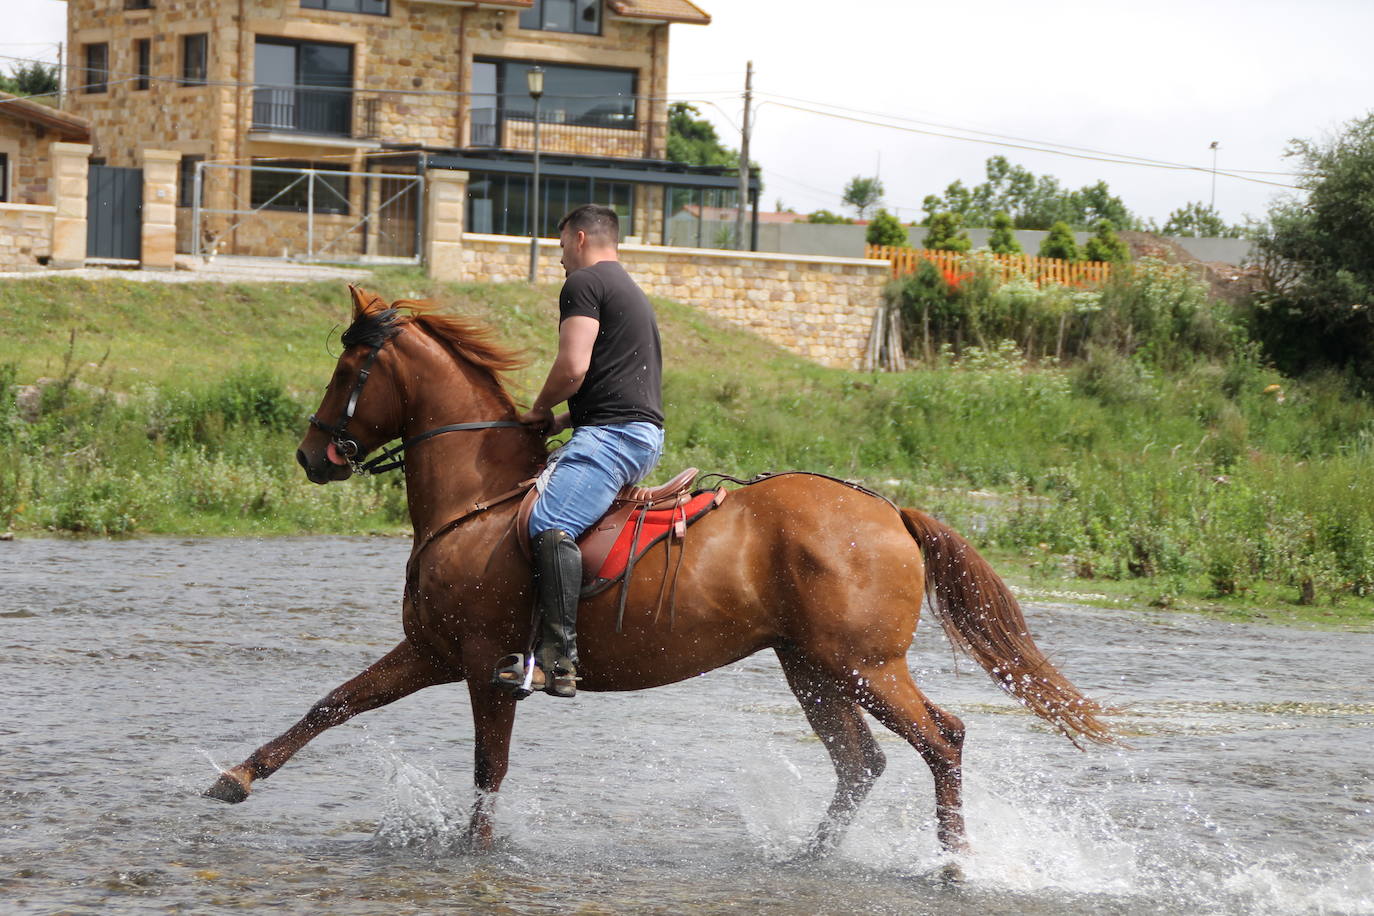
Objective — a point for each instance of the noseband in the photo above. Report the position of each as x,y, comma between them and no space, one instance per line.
392,458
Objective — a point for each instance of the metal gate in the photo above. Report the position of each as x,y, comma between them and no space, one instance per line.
114,213
307,214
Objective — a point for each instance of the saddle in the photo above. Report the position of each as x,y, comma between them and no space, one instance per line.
638,519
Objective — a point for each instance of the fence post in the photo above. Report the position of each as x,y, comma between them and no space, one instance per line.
159,250
70,166
443,219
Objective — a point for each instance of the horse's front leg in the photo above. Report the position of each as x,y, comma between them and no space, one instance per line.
399,673
493,718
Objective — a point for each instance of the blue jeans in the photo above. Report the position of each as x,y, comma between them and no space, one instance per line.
585,475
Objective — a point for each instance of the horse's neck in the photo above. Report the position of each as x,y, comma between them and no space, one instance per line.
447,474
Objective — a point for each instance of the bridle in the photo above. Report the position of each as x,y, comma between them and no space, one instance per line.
394,457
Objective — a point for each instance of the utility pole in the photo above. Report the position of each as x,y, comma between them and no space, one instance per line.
1213,204
744,159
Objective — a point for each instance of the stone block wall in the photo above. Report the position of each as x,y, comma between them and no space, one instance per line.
819,308
25,235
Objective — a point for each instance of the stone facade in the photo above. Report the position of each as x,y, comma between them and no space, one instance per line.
818,308
411,70
25,235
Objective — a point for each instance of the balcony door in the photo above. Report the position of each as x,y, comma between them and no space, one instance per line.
303,86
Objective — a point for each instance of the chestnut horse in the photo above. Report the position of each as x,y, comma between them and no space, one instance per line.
828,577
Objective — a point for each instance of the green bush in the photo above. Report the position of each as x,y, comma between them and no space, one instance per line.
886,229
1106,245
945,232
1060,244
1002,239
247,397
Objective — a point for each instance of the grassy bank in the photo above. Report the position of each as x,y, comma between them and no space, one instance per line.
176,410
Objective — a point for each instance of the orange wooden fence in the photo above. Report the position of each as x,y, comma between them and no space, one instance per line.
1085,274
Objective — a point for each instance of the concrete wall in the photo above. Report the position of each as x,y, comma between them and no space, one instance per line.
817,307
840,240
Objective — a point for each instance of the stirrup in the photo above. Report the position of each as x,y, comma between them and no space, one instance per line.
515,674
562,682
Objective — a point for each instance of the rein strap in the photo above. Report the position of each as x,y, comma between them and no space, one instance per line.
392,458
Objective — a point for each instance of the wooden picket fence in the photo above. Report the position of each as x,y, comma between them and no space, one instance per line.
1081,274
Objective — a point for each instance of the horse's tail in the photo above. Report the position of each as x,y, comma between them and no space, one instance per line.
981,616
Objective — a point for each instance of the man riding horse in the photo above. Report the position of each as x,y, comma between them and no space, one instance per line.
609,370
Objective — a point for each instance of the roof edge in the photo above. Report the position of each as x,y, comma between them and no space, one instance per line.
70,126
689,13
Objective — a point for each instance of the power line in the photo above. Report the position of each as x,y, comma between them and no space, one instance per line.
1036,149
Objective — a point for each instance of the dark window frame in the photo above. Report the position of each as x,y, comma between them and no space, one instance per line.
503,113
97,78
265,184
342,6
312,92
138,4
195,72
535,20
186,181
143,62
559,195
4,178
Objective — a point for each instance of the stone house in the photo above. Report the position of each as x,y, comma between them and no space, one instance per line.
336,107
28,131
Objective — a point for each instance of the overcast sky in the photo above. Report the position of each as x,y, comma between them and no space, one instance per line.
1161,81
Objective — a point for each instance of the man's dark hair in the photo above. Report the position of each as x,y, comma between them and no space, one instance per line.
595,220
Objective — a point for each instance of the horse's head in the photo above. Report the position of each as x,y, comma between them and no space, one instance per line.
356,416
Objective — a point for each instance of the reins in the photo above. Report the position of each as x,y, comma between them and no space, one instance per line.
392,458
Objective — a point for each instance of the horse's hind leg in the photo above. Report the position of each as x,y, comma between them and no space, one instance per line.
399,673
839,724
887,691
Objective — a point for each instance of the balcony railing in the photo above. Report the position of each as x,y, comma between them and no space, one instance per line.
613,133
306,110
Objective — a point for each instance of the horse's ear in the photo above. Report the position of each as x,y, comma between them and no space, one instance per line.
364,302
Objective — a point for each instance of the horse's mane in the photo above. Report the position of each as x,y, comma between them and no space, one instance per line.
467,339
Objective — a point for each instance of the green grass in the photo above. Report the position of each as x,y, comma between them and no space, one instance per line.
1195,488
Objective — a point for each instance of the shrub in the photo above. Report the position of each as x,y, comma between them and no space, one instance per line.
1003,238
946,233
1060,244
886,229
1106,245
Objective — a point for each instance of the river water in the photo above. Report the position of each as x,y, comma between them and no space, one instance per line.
130,669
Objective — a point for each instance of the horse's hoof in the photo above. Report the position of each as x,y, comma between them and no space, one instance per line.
951,873
228,788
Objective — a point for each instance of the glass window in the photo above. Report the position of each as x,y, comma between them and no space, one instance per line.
4,177
186,182
572,95
143,49
194,51
582,16
372,7
97,67
500,203
290,190
303,86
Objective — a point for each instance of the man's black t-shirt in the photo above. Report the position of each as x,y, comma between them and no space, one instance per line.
624,382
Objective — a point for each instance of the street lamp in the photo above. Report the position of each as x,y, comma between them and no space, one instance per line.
534,79
1215,144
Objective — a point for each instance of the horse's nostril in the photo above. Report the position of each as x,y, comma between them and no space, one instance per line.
300,459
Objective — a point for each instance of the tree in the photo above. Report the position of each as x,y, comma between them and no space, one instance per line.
946,233
1002,240
825,216
1106,245
1033,202
862,193
886,229
1199,220
1060,244
1317,256
31,79
693,140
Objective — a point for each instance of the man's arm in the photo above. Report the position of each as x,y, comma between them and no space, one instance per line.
576,337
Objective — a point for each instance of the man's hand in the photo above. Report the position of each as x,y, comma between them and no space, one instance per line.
543,421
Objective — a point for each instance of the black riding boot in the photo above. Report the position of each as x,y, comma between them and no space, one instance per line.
557,585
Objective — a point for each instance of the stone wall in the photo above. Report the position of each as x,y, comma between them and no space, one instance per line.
29,163
25,235
819,308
